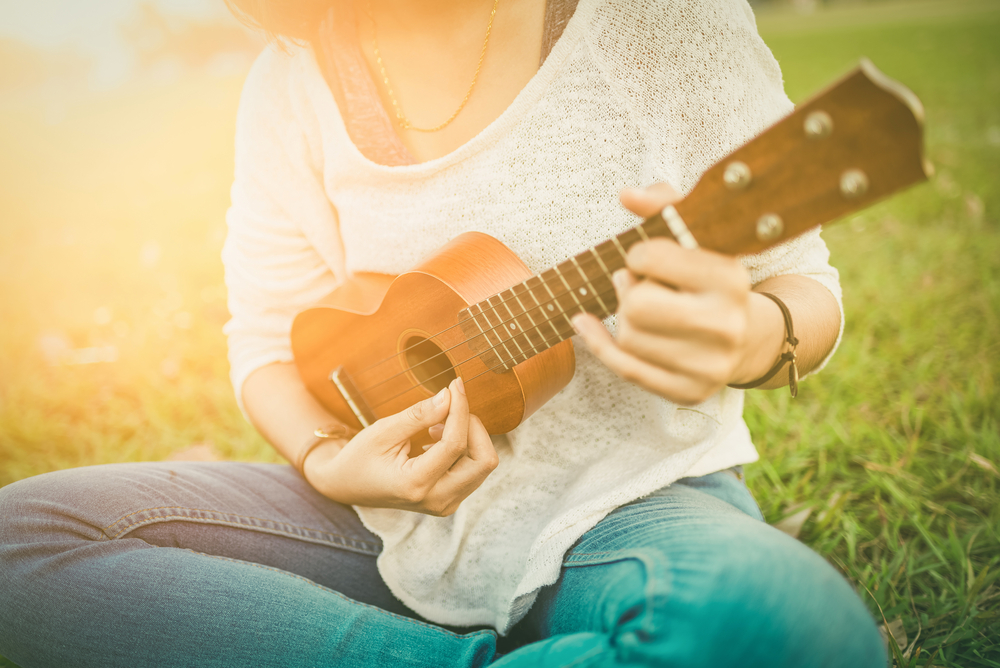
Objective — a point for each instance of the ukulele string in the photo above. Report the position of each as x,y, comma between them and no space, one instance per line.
464,380
503,302
456,366
502,342
589,259
493,347
586,262
555,298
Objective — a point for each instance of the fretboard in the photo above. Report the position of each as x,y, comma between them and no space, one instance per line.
531,317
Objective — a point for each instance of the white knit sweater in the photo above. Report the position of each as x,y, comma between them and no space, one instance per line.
635,92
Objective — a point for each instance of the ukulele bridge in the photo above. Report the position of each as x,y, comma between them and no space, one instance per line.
351,396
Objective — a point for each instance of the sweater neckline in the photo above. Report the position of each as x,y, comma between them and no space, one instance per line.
525,99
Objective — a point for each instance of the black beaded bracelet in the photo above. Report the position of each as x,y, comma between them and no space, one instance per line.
786,357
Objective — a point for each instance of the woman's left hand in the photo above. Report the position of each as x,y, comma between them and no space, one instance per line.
684,317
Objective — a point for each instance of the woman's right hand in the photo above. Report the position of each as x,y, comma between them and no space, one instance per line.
374,468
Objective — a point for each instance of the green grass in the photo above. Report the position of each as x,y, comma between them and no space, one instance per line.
111,227
881,445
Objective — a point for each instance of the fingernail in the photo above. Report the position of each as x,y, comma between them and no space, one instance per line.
428,447
439,397
620,279
637,254
576,320
459,385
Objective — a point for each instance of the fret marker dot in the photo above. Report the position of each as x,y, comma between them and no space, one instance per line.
583,291
513,326
551,307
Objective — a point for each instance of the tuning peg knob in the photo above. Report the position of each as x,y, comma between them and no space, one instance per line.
818,125
737,175
853,183
769,227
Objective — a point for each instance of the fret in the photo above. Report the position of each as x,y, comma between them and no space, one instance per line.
614,261
514,325
600,301
548,319
501,327
476,338
624,237
510,357
534,325
662,223
613,294
525,320
517,327
604,267
570,290
562,310
642,232
475,319
621,249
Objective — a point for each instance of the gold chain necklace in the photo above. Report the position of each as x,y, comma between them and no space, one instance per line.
404,123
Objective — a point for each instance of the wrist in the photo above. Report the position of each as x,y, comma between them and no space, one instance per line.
319,465
319,452
764,342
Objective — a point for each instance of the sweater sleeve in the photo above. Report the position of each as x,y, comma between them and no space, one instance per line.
699,82
282,251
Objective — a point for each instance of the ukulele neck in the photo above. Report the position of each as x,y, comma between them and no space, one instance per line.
531,317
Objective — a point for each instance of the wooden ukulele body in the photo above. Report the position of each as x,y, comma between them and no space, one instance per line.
387,334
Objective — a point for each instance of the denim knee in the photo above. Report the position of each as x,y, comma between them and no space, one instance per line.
771,601
768,602
38,509
22,516
22,504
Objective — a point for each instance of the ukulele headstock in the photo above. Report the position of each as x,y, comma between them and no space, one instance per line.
852,144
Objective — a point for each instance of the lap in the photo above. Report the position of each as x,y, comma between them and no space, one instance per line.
688,575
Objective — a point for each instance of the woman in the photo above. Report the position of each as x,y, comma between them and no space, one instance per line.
612,527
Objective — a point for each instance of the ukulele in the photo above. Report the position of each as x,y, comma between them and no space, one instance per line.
379,344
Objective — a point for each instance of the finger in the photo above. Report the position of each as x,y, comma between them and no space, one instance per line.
416,418
693,358
694,270
623,280
436,461
481,454
470,471
646,202
652,307
676,387
435,432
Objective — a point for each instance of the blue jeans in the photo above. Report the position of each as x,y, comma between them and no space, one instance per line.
230,564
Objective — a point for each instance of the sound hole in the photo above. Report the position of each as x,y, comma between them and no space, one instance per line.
429,364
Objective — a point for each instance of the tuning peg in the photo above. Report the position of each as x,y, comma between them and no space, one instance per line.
853,183
737,175
818,125
769,227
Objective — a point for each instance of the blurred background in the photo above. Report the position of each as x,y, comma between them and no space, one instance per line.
116,142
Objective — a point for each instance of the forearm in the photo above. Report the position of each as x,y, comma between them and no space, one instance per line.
816,319
282,409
